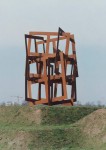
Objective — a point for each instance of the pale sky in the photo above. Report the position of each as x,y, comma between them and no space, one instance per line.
86,19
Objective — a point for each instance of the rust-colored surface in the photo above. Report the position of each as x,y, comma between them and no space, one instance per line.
51,67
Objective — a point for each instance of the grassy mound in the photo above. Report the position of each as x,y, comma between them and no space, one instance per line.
49,128
94,127
54,115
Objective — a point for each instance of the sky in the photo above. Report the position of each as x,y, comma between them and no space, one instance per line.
86,19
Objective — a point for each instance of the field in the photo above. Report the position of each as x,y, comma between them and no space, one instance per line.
52,128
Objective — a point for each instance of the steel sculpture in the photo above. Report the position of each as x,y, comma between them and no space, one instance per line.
51,67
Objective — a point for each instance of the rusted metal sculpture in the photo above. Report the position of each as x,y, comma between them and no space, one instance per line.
51,67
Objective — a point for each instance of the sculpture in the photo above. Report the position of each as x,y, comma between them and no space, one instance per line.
51,67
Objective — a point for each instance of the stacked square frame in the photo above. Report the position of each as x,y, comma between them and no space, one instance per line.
51,68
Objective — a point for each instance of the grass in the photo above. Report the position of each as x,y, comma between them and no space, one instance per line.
57,138
64,114
20,128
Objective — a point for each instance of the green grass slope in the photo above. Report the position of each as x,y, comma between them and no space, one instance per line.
51,128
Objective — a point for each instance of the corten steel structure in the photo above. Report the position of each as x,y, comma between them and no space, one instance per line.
52,65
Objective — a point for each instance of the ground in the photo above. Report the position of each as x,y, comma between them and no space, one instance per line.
52,128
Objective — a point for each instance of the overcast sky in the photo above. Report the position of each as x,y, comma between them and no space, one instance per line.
86,19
